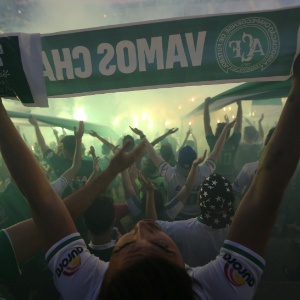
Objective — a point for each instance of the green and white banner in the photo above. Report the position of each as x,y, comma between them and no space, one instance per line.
242,47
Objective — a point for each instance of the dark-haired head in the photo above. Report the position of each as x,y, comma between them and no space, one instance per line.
132,143
219,129
150,278
100,216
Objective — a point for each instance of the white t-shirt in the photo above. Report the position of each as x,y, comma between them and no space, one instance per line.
176,182
234,275
244,178
59,185
197,242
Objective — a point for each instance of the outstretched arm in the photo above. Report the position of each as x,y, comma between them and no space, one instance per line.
71,172
150,210
45,203
104,141
157,160
260,129
206,118
40,139
239,118
191,180
258,209
160,138
215,154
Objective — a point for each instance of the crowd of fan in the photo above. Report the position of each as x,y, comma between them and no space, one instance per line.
192,197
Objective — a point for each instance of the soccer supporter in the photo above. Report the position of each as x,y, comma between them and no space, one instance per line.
225,164
146,264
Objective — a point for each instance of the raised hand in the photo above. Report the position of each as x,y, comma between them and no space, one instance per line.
92,152
226,118
137,131
93,133
200,159
79,133
96,167
172,130
261,118
123,160
146,183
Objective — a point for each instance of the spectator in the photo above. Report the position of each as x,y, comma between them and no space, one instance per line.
146,261
100,219
176,176
200,239
225,165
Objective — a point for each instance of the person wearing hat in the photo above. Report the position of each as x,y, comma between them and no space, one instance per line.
199,239
176,176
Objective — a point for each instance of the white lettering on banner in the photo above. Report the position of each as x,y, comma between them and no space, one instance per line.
65,63
155,50
127,57
175,52
87,69
123,48
48,72
196,52
109,52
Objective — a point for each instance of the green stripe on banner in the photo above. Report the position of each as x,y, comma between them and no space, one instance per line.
252,46
103,131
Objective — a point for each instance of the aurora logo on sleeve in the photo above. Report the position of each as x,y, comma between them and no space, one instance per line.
70,264
236,273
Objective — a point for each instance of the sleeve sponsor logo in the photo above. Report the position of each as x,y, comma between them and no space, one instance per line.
236,273
70,264
247,45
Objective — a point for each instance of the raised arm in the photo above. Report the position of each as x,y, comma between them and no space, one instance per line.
150,210
260,129
258,209
104,141
188,133
206,118
191,180
239,118
157,160
40,139
45,204
215,154
160,138
71,172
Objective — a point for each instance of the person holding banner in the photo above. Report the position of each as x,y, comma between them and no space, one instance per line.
146,264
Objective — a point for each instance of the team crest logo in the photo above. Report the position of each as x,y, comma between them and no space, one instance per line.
247,45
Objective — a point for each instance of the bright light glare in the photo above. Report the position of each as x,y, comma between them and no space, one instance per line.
116,121
150,126
80,115
167,123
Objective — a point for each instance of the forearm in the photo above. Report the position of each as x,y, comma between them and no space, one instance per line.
261,131
106,143
239,118
215,154
32,182
127,185
150,212
71,172
206,119
157,160
159,139
81,199
40,139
